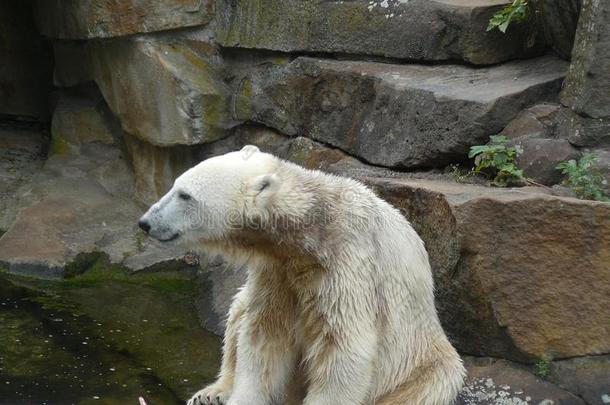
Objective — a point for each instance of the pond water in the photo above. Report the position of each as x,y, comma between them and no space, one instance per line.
103,337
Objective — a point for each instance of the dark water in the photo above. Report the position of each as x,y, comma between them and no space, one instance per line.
102,340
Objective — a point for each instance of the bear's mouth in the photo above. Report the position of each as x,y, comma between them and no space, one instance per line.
171,238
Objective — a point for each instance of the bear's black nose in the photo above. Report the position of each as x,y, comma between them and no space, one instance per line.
144,225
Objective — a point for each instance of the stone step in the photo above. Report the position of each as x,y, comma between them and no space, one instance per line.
85,19
430,30
400,116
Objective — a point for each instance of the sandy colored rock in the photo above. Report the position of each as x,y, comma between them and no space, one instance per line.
85,19
166,91
515,269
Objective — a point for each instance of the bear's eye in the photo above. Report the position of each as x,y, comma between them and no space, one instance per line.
184,196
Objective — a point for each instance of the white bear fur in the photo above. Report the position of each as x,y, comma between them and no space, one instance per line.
338,307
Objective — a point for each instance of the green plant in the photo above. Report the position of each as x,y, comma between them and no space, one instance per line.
542,368
458,175
584,178
497,161
517,11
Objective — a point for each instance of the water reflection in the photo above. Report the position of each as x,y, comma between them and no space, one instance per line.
103,342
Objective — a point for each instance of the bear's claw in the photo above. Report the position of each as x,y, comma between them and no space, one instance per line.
209,396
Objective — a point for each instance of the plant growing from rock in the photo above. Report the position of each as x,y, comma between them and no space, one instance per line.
542,368
497,160
583,178
517,11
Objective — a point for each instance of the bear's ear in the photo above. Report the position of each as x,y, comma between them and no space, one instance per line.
263,187
248,151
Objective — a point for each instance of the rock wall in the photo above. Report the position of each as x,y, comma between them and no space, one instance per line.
389,92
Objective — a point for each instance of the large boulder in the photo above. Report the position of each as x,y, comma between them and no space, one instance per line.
79,204
164,90
400,116
84,19
515,269
415,30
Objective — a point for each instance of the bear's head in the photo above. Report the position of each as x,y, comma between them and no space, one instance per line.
212,200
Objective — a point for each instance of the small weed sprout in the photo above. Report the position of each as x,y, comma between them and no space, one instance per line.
497,160
459,175
583,178
517,11
542,368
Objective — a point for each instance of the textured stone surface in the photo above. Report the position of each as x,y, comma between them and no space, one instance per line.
538,158
583,131
395,115
539,121
80,201
587,377
560,19
587,86
415,30
499,382
25,67
155,168
83,19
165,91
515,269
81,116
22,154
75,204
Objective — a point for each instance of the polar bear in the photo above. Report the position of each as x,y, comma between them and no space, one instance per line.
338,307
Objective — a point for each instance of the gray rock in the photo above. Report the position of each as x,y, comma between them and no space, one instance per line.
22,154
538,158
79,118
560,19
164,90
587,85
84,19
499,382
395,115
79,203
504,265
587,377
538,121
406,29
583,131
534,134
